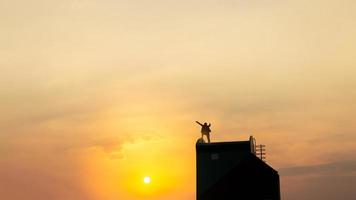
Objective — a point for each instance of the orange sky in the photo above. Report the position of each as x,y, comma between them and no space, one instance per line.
95,95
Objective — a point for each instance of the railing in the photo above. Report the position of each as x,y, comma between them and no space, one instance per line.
258,150
261,152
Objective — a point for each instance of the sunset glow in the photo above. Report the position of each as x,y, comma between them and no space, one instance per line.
99,99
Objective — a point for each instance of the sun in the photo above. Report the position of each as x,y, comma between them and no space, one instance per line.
147,180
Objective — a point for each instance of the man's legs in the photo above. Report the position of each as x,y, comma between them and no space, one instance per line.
208,136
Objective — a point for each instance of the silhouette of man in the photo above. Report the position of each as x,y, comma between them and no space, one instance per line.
205,130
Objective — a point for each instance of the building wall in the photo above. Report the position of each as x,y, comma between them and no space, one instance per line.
234,173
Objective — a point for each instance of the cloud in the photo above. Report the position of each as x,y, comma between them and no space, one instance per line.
34,182
329,181
114,146
328,168
109,145
320,187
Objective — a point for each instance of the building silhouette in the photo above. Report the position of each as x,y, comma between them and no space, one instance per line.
234,171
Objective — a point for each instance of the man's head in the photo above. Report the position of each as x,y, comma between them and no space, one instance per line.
205,124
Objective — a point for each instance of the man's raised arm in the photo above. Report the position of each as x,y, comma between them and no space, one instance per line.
199,123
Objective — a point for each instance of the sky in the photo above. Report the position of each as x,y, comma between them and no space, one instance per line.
96,95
